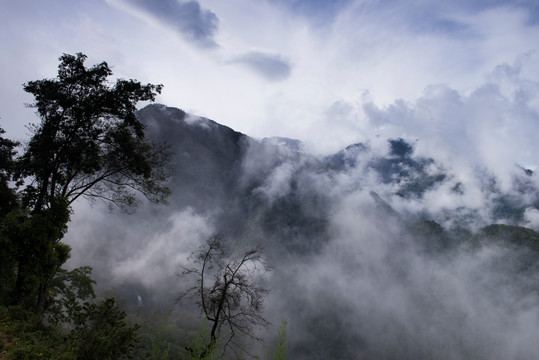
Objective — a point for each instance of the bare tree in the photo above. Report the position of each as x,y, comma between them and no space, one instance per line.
226,291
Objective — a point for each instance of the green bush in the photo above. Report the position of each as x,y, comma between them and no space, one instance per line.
31,339
102,332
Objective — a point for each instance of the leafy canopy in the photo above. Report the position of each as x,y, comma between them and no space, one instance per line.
90,142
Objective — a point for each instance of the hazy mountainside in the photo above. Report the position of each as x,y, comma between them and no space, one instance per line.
218,170
245,185
377,254
207,156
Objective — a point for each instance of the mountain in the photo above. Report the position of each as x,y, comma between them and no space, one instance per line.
240,181
376,254
217,168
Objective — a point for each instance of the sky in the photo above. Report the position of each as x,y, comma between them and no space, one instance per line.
457,79
329,73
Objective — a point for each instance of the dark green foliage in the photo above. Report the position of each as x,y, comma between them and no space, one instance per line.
8,202
89,142
7,264
160,336
8,198
99,330
160,347
102,332
30,339
68,289
31,244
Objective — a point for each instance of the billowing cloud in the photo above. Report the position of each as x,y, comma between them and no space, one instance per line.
481,128
125,252
270,66
160,257
188,18
370,294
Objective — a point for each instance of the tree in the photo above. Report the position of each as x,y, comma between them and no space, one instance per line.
8,197
226,291
8,202
78,329
90,144
69,290
101,331
33,245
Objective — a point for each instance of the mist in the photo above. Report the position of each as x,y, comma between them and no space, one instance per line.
378,248
373,291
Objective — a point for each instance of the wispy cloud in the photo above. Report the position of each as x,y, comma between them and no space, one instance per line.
320,12
188,18
270,66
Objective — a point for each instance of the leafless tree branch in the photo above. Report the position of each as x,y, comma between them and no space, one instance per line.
226,289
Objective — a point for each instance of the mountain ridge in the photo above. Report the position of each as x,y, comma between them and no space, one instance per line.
404,174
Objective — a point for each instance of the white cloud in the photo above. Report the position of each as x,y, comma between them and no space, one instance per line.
362,48
160,259
531,218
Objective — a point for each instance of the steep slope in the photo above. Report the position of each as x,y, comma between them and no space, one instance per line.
375,253
206,156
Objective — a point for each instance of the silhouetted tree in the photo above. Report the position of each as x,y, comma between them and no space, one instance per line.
226,289
8,199
90,144
8,202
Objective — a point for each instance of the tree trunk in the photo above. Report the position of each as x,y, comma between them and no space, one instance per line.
18,296
42,297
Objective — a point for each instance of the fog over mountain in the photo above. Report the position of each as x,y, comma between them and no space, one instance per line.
382,250
384,154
